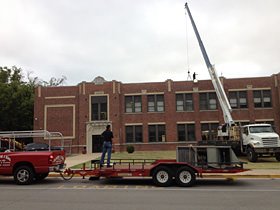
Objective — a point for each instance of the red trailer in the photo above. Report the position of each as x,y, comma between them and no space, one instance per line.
191,162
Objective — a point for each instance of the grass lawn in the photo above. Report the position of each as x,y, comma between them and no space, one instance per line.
145,155
263,163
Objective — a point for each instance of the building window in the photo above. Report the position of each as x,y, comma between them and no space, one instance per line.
157,133
99,108
207,101
262,98
133,104
238,99
133,133
155,103
186,132
209,131
184,102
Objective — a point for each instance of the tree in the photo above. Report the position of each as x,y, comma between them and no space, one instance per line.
17,98
52,82
57,81
10,75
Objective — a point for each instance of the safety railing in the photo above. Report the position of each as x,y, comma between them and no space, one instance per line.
10,136
127,163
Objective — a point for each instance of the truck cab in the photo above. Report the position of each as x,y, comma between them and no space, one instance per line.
260,139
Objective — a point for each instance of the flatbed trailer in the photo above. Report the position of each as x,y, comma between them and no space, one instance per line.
191,162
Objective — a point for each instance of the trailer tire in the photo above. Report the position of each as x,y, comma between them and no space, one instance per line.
162,176
24,175
277,156
252,155
185,177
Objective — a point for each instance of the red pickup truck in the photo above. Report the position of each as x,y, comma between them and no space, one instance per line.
26,167
36,161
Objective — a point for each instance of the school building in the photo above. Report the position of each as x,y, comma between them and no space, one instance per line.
151,116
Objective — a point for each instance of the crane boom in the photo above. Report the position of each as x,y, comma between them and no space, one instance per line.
220,92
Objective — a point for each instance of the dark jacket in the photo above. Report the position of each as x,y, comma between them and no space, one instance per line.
107,135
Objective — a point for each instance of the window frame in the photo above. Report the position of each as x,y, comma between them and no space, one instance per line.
187,128
205,99
186,102
134,138
238,95
102,102
261,95
155,100
158,133
133,100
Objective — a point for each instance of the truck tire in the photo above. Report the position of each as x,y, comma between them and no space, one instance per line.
40,177
162,176
185,177
277,156
252,155
24,175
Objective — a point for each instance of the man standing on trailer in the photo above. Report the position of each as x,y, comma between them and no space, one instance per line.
107,145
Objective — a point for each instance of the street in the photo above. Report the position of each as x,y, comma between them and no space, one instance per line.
53,193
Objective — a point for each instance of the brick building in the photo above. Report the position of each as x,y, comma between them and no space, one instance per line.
151,116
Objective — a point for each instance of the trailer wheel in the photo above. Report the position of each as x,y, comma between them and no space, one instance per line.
277,156
162,176
185,177
252,155
24,175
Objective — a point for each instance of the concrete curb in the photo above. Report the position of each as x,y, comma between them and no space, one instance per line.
212,176
247,176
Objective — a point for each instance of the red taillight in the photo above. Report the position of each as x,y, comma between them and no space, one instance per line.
51,157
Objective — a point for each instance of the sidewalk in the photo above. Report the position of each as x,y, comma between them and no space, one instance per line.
80,158
255,173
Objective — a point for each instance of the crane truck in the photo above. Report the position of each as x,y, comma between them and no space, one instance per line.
253,139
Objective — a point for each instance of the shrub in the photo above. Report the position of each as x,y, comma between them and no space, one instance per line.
130,149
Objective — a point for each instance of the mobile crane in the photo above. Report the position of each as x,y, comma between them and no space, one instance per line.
254,139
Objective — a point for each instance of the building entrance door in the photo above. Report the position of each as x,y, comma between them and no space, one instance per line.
96,143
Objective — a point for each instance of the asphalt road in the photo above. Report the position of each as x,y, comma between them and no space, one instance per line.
53,193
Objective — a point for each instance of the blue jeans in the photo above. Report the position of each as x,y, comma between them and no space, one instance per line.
107,148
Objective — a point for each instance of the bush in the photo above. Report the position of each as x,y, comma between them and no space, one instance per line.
130,149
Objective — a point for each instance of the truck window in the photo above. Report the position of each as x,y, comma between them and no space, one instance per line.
245,131
261,129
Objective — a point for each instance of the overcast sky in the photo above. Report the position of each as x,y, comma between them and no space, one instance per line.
139,41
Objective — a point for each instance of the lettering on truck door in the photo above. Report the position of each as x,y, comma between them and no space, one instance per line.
5,161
